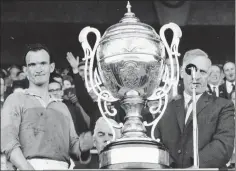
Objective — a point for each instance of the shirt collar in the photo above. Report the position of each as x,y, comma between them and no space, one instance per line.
229,83
216,86
52,99
187,97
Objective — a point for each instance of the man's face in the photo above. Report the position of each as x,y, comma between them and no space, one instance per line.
81,71
203,64
2,86
65,72
13,73
229,70
55,90
103,135
66,84
215,75
38,67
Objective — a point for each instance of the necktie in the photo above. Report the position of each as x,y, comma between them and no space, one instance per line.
214,91
233,87
188,110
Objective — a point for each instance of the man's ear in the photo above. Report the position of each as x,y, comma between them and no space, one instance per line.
24,69
52,67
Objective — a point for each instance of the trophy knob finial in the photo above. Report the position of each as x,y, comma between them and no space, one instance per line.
129,16
128,7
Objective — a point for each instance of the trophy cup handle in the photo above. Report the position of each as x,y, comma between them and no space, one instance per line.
93,82
162,92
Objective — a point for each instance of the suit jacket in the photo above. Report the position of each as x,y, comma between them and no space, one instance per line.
223,91
216,132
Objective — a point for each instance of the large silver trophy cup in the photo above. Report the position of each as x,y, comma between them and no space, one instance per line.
131,64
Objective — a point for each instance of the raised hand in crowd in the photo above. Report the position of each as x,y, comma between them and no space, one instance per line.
74,62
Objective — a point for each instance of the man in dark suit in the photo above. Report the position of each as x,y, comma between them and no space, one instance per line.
215,121
229,86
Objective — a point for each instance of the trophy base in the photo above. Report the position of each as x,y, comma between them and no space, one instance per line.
138,153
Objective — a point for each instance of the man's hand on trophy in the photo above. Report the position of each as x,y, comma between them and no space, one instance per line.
74,62
86,141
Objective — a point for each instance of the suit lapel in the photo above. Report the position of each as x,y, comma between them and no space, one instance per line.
223,90
201,104
180,113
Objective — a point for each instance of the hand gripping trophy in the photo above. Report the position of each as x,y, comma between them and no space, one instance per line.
131,64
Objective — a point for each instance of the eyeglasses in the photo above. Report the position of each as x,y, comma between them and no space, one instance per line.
54,90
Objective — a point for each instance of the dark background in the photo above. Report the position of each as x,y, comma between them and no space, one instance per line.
209,26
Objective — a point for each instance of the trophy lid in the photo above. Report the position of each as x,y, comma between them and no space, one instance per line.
130,26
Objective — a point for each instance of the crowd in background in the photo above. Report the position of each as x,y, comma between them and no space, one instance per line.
68,85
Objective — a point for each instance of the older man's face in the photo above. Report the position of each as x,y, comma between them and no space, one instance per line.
203,64
102,135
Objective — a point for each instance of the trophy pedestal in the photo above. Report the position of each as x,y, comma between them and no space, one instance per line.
140,153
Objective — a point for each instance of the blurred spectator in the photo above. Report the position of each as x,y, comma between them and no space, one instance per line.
67,82
55,89
214,80
57,77
81,68
80,118
21,75
13,71
229,85
83,96
65,71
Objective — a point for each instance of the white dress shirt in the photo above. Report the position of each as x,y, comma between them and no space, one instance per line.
187,98
229,86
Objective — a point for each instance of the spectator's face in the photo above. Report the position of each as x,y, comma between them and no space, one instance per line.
21,76
2,86
55,90
229,70
102,135
82,71
203,64
66,84
215,75
13,73
65,72
38,67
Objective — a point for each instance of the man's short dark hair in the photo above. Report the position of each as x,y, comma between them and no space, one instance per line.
51,80
55,75
37,47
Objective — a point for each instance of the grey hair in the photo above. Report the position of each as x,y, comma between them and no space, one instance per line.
102,122
189,55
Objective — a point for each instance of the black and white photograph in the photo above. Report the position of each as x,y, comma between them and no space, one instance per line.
101,84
